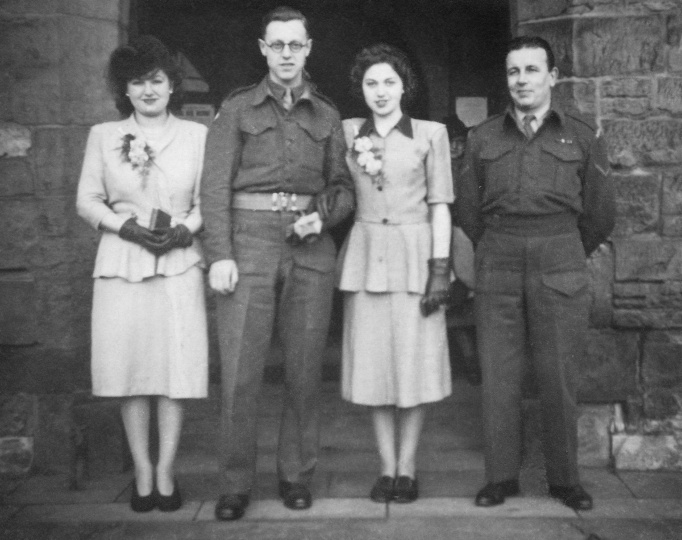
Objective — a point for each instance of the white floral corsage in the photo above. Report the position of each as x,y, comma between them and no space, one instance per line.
369,158
137,152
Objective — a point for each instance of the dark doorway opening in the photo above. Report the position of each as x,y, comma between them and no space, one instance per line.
456,46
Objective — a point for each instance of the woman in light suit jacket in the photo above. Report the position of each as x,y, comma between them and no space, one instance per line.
139,186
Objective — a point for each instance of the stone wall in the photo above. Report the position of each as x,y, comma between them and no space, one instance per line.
53,55
620,62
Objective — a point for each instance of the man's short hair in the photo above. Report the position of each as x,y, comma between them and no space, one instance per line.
532,42
283,14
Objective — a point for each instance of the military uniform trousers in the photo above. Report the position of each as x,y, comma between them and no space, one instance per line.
531,300
293,286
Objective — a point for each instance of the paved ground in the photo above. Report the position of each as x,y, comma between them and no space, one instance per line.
628,505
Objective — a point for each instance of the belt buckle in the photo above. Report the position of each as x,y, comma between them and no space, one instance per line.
284,202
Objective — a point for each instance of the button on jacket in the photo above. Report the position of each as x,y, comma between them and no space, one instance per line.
255,146
562,169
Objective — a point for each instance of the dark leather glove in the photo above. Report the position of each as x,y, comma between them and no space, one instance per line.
333,204
324,203
437,286
458,294
132,231
173,237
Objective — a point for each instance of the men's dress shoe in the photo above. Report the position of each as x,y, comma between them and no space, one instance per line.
142,504
169,503
572,496
382,490
494,493
295,496
405,490
231,507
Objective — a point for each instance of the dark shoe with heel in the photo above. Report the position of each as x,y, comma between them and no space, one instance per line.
572,496
405,490
231,507
382,491
494,493
295,496
142,504
169,503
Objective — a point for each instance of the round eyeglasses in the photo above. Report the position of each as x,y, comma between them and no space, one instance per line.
294,46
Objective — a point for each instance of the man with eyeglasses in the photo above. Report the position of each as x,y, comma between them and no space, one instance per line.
275,180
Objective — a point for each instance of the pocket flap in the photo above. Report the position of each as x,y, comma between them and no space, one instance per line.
563,151
256,126
318,131
567,283
494,151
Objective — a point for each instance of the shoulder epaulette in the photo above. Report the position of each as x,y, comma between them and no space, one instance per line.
487,120
240,90
318,94
582,119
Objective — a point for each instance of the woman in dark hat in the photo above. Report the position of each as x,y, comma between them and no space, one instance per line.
139,188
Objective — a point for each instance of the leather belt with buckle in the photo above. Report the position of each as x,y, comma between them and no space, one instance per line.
275,202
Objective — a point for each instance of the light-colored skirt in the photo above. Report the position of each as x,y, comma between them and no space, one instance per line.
150,337
392,355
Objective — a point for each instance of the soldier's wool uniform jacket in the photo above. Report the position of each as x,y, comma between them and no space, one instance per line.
255,146
563,169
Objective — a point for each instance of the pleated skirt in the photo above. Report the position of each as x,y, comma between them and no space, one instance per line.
392,355
150,337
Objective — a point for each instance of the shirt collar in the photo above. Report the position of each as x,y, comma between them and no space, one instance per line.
269,88
404,126
553,110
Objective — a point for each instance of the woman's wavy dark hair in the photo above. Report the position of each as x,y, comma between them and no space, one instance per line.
381,53
141,57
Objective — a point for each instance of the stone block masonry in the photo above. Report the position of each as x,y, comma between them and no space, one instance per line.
53,56
620,65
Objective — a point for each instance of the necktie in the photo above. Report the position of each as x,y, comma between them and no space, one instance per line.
287,100
527,128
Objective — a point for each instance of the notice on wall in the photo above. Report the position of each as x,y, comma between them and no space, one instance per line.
472,110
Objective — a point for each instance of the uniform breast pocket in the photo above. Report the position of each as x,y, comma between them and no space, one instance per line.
562,165
497,161
260,142
312,142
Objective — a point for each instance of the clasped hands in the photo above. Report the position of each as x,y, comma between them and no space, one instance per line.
309,226
157,242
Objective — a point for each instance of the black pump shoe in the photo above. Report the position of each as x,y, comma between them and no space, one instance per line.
142,504
382,490
169,503
405,490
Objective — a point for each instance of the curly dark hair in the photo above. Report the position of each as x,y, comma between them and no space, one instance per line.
381,53
141,57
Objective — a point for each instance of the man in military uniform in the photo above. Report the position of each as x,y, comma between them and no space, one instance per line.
275,179
535,196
